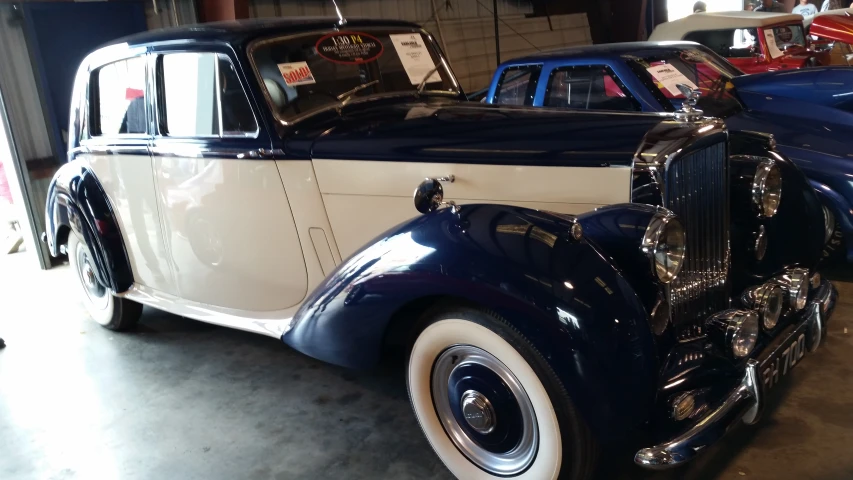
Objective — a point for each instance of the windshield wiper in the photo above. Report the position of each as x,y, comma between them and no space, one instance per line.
426,77
345,97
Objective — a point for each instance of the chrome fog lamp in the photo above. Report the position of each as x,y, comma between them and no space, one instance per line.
767,188
735,330
767,300
664,243
828,224
795,283
683,406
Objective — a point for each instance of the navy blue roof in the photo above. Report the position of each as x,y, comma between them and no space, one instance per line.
603,50
244,30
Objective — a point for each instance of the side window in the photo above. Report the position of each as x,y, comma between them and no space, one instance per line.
201,96
517,85
589,88
739,42
120,90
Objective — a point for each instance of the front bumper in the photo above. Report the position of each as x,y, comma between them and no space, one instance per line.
746,401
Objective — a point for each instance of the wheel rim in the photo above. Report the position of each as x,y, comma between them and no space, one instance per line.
484,410
96,293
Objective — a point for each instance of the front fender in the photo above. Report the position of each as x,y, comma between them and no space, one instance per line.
568,299
77,202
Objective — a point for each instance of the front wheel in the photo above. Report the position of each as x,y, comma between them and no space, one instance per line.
109,311
489,403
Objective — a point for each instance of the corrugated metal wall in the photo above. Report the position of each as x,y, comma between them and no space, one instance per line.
467,27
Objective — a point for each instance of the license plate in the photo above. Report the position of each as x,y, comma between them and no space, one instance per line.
783,359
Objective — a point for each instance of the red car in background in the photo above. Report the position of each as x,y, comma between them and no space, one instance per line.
754,42
832,34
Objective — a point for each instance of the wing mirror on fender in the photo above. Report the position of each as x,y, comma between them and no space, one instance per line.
429,196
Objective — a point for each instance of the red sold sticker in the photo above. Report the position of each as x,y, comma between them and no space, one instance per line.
296,73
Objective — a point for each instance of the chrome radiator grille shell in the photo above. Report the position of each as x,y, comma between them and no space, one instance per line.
697,190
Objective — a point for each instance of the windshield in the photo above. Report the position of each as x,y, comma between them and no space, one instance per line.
696,68
310,72
784,37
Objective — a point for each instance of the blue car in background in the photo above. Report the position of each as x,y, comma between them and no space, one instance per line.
809,112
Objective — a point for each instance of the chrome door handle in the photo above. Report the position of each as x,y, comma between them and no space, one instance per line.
265,153
450,178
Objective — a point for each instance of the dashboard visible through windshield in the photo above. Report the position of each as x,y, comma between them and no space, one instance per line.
315,71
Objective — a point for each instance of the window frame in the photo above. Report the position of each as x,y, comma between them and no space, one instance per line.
590,66
532,84
94,108
161,114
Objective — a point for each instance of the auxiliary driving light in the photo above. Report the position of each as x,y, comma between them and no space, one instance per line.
767,300
795,283
735,330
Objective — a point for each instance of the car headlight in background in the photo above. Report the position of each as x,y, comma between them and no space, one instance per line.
828,224
735,330
767,188
664,243
767,300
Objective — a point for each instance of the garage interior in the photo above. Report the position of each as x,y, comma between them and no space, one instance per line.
180,399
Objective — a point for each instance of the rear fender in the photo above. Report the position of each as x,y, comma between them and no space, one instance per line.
76,200
567,298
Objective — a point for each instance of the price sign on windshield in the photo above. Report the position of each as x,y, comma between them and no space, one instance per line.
350,48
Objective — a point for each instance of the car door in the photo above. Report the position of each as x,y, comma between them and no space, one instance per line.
118,154
229,230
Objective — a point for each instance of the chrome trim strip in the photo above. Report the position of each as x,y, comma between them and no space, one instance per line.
197,151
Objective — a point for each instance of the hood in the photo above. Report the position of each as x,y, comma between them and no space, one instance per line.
433,130
826,86
838,28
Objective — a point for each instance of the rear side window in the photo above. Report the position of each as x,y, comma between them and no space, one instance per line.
731,43
589,88
517,85
201,96
120,107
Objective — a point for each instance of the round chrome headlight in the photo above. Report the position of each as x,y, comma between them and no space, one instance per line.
795,283
767,188
664,243
744,334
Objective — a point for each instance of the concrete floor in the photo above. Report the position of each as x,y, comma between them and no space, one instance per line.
179,399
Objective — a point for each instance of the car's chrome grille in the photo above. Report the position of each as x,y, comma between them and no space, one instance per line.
697,191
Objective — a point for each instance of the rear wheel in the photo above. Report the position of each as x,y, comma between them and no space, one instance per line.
490,405
109,311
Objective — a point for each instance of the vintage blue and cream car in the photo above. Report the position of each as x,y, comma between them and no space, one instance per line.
573,278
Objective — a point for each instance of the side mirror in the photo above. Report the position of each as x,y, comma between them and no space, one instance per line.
429,195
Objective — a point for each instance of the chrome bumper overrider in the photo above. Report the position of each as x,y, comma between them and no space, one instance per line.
746,401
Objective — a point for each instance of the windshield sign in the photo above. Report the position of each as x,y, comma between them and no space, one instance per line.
312,72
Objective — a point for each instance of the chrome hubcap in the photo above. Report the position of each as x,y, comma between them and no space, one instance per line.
95,292
478,412
484,410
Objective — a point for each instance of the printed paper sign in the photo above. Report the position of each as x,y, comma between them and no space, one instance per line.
670,77
770,38
350,48
415,57
296,73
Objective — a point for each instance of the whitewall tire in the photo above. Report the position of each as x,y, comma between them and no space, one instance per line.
109,311
490,405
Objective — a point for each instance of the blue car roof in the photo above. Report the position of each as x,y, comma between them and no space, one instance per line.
238,31
604,50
